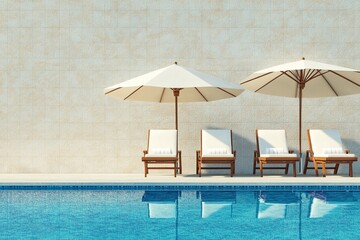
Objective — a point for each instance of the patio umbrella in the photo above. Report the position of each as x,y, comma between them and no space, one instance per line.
174,84
304,79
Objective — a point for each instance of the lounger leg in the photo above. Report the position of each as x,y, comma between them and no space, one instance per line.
197,162
336,168
306,162
145,168
323,169
316,168
294,169
180,162
254,163
350,170
261,169
286,169
175,169
199,169
232,169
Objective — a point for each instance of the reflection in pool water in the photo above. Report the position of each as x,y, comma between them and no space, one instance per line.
137,214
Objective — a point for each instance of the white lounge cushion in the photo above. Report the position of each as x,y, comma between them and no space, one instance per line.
162,143
325,141
218,155
273,141
216,142
335,155
332,151
160,151
216,151
160,155
278,155
275,151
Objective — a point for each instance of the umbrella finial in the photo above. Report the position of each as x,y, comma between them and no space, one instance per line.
176,62
303,58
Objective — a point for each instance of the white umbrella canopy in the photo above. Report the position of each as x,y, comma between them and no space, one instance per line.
318,80
304,78
174,84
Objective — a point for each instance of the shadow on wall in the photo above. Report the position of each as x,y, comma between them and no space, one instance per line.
354,147
244,158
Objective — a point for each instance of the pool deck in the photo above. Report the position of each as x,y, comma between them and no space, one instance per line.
139,179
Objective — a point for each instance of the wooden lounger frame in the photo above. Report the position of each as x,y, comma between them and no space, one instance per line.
272,160
323,161
174,162
215,160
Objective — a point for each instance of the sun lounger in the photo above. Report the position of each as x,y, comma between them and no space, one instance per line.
326,148
216,148
272,149
162,149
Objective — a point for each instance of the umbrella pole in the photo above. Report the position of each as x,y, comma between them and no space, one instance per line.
301,87
300,117
176,95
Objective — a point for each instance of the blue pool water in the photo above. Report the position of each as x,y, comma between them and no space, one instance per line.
185,212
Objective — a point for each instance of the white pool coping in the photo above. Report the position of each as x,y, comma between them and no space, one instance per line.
152,179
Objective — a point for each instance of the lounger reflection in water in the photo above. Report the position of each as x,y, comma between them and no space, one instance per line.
162,204
274,204
217,203
325,203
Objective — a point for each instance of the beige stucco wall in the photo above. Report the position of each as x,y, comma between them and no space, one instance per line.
57,56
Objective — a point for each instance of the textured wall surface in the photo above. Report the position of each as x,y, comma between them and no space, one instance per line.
57,56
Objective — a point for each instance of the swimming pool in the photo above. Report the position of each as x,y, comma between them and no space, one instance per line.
179,212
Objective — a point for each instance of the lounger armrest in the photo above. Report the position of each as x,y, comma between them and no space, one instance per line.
234,152
197,154
291,151
347,151
145,152
179,154
256,153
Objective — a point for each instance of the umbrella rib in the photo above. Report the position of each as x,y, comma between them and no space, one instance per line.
330,85
291,77
162,95
317,74
309,74
256,78
313,75
133,92
344,78
227,92
297,75
112,90
268,82
201,94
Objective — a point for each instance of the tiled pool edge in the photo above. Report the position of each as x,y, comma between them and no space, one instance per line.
184,182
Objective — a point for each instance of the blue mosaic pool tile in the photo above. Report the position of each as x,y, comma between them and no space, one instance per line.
108,187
